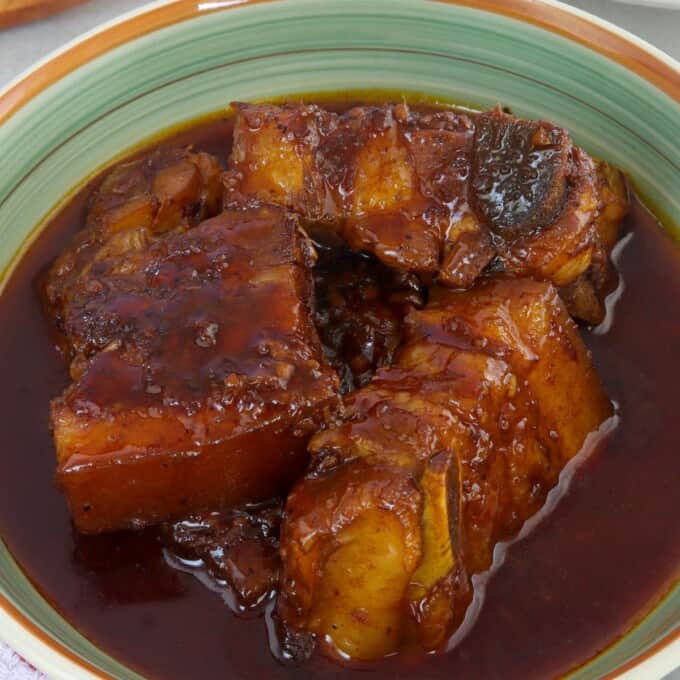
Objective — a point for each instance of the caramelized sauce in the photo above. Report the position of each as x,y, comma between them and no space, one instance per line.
360,305
588,572
234,552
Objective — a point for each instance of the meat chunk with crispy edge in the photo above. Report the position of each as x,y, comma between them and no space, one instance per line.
542,199
519,172
437,459
205,378
553,212
169,189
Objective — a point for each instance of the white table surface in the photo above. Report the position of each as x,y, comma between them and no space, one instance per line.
23,45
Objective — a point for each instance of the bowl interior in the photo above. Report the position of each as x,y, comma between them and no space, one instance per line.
161,78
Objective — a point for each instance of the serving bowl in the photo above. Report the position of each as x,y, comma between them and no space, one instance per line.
172,62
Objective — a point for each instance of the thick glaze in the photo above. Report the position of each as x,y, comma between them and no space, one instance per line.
421,188
596,564
442,455
210,376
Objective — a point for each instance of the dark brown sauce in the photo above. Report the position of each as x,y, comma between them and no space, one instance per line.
360,306
234,552
597,564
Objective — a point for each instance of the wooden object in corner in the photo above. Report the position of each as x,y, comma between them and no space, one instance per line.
19,11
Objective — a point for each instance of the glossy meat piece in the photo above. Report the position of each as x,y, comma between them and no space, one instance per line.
354,172
272,158
238,548
556,216
562,250
437,459
439,192
585,295
443,158
372,183
169,189
519,172
614,203
207,375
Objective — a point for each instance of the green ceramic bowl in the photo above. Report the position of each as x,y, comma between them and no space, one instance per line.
175,61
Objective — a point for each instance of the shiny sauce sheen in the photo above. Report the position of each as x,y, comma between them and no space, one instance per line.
581,579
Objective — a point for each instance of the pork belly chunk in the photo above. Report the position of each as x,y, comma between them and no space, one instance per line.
432,463
170,189
537,193
352,173
389,181
442,146
273,157
552,211
201,375
439,193
372,183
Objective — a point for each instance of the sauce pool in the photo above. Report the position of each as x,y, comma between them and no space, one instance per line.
580,580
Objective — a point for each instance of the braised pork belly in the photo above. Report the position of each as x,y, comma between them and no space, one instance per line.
167,190
444,194
336,365
206,376
442,455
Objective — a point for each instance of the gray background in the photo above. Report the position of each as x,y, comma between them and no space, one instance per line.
21,46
